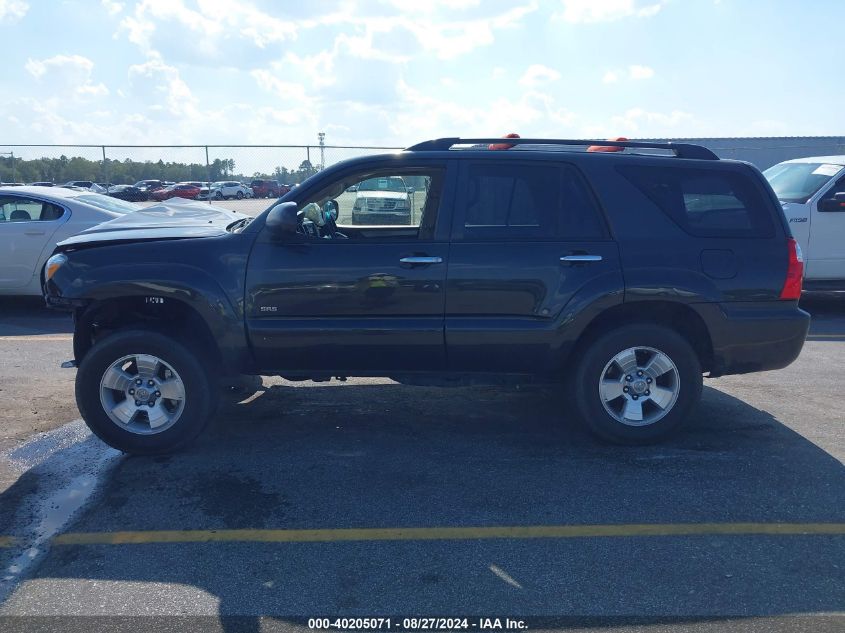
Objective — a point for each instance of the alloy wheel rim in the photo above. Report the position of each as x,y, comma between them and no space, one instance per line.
639,386
142,394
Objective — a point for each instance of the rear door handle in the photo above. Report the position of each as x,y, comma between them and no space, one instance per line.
581,258
33,232
415,259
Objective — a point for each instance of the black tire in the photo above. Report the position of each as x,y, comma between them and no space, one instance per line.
218,195
239,195
598,353
201,393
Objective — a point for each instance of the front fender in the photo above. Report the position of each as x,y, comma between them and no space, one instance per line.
155,285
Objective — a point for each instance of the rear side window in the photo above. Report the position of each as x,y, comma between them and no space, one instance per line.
536,201
16,209
705,203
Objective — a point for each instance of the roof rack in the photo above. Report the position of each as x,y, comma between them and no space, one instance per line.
681,150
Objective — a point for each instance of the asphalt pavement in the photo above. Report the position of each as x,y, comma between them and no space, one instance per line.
368,498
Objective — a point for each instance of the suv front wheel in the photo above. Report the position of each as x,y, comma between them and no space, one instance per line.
143,392
637,384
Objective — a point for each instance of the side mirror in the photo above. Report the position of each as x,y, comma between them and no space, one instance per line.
836,203
331,210
282,219
410,189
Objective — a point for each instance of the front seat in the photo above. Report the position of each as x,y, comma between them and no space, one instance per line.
19,214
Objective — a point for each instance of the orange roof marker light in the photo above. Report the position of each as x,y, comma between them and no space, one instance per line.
503,145
608,148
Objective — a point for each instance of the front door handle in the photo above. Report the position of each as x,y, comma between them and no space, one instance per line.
581,258
417,259
33,232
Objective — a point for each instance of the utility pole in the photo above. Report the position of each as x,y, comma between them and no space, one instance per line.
322,137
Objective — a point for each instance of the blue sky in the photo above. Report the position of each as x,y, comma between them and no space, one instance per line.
399,71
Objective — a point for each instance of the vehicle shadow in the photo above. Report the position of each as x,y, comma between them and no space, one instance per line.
30,316
385,455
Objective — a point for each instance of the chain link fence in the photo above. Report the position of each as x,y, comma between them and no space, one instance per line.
126,165
288,164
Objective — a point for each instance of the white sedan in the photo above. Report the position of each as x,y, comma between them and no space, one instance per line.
34,219
225,189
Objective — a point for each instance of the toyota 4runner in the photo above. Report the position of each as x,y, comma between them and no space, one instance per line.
622,277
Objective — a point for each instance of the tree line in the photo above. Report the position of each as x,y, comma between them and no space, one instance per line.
63,169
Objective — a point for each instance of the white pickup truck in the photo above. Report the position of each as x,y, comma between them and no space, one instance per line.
812,192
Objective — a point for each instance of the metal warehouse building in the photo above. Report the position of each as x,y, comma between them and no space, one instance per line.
765,151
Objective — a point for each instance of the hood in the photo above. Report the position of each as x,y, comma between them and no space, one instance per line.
172,219
367,193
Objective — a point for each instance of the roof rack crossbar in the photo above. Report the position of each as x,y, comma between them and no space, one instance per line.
681,150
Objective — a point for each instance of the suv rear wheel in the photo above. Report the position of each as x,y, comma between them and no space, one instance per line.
637,384
144,393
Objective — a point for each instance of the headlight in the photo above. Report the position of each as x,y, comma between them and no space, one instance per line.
53,264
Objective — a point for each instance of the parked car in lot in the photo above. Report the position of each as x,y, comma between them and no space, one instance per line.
129,193
812,192
39,184
620,277
179,190
268,188
34,219
382,200
225,190
148,186
85,184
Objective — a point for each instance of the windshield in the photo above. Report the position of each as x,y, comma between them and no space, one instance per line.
393,183
797,182
106,203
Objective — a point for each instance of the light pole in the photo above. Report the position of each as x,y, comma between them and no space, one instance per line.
12,155
322,137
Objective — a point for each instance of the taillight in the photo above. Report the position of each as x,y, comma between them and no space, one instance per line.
794,272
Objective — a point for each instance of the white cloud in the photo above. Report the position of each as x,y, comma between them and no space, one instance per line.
162,87
445,39
218,33
112,7
433,5
537,74
72,72
213,31
588,11
419,115
640,72
634,72
637,121
318,68
12,10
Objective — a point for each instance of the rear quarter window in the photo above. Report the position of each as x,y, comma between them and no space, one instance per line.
703,202
529,201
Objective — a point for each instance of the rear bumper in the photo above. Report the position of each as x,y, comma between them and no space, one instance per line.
824,285
754,336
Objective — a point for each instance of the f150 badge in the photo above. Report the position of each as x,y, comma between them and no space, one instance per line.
268,309
797,219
